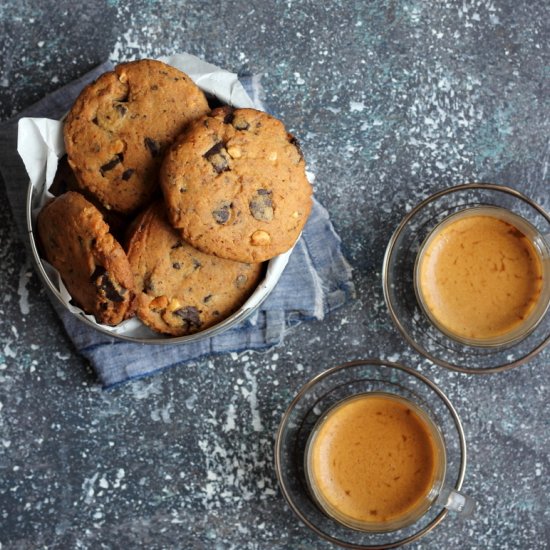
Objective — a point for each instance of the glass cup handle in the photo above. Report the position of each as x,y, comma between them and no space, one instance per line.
458,502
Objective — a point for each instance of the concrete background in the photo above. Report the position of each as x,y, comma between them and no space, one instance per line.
391,101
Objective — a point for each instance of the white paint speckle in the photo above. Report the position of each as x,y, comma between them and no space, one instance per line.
88,488
299,80
8,352
251,396
163,413
24,276
143,390
230,420
190,402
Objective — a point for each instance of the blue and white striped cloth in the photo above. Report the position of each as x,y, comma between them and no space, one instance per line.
316,281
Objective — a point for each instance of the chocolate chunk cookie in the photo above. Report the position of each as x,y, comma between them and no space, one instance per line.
235,185
119,126
181,290
92,264
65,180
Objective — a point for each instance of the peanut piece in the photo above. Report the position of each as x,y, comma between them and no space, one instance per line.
174,304
159,303
234,152
260,238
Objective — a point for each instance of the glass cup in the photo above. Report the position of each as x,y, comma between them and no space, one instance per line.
310,412
408,308
344,466
513,321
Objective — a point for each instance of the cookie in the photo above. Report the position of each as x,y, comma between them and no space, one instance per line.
181,290
65,180
235,185
93,265
120,125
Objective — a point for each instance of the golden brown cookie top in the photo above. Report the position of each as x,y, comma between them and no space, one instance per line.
181,290
120,125
92,264
235,185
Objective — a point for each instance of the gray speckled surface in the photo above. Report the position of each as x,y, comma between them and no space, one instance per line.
391,100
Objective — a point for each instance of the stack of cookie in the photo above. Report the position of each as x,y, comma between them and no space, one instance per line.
166,209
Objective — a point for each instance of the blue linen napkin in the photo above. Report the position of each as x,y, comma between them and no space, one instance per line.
316,280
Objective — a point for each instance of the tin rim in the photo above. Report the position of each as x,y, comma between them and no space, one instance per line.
226,324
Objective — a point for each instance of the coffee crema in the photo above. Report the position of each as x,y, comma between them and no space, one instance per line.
375,461
479,275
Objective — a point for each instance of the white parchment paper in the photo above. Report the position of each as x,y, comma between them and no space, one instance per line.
40,145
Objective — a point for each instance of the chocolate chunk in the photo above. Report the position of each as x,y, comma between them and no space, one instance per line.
176,265
214,150
110,291
241,124
153,146
229,115
120,109
148,285
190,315
206,299
117,159
127,174
101,279
218,157
196,264
154,87
261,205
99,271
95,121
222,214
240,281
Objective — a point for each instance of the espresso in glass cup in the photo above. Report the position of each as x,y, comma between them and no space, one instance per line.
376,462
482,276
